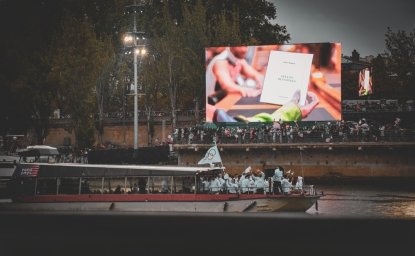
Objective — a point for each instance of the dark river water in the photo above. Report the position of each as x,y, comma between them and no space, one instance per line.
351,220
366,201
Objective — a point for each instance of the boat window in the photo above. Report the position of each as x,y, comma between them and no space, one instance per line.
168,184
24,186
46,186
161,184
91,186
114,185
183,185
138,185
46,159
69,186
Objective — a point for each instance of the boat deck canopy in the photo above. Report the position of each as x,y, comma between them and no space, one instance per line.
95,170
39,150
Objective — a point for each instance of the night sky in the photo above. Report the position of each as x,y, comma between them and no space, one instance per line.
357,24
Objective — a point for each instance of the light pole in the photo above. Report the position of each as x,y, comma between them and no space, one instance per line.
136,41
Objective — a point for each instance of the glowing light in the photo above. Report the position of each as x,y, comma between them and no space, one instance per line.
128,39
138,51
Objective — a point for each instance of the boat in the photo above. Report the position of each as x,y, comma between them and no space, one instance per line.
38,153
139,188
11,153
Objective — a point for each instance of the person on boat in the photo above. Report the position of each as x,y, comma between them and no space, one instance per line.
134,189
205,185
118,190
244,184
142,183
277,178
259,182
222,183
299,184
251,185
187,185
286,185
215,185
243,176
164,186
226,179
239,179
267,186
231,186
290,176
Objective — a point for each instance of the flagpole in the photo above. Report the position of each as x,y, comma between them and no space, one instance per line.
221,163
214,143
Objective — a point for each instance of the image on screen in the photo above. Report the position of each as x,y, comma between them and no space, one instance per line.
365,82
266,83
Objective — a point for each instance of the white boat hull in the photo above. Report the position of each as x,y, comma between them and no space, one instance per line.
264,204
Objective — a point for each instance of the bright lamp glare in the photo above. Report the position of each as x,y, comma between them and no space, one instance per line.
128,39
139,51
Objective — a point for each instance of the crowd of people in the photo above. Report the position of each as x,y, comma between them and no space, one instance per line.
357,106
293,132
253,182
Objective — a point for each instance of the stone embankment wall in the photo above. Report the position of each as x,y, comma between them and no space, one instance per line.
341,160
354,159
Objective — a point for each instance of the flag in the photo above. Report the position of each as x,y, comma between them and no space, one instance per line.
30,171
212,156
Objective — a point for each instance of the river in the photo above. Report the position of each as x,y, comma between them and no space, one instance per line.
351,220
366,201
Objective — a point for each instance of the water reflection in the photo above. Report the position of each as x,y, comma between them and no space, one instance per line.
366,201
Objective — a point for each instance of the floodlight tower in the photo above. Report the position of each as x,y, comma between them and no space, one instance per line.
135,42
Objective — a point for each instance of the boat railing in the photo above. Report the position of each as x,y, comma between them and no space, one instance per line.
309,190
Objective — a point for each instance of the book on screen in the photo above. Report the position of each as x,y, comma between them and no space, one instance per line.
286,73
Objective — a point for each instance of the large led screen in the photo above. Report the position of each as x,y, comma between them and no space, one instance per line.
297,82
365,82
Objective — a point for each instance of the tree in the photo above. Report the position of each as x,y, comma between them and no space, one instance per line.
255,20
26,98
155,96
44,93
400,47
195,33
78,59
104,86
381,80
168,42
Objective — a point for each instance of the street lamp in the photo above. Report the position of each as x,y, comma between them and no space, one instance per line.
136,41
139,51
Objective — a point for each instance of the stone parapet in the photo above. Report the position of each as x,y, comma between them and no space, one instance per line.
355,159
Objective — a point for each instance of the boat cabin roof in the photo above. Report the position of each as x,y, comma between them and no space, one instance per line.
38,150
97,170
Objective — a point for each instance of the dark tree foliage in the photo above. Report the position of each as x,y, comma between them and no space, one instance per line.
24,41
400,47
33,47
256,19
